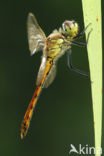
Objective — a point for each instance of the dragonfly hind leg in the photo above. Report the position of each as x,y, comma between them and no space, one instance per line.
72,68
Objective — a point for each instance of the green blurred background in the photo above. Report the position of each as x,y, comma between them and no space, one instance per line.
63,114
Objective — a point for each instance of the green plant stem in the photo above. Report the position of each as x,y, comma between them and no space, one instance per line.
92,14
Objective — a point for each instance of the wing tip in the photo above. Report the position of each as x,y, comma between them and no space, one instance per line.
30,14
32,52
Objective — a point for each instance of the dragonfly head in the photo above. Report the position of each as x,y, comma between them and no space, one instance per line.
70,28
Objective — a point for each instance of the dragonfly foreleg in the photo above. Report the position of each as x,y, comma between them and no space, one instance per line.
83,32
71,66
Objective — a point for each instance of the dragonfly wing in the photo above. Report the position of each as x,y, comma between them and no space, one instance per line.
41,70
50,77
36,37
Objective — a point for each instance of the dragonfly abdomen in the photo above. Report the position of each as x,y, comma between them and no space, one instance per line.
28,115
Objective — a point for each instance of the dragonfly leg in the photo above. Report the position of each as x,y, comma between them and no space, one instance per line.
74,69
83,32
79,43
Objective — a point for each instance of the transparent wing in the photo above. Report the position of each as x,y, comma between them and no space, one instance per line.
41,70
50,77
36,37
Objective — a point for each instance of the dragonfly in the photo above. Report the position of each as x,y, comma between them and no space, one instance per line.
53,47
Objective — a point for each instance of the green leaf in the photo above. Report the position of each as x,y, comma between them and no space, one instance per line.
92,14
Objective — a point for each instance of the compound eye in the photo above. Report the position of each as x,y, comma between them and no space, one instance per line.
74,23
64,27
